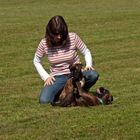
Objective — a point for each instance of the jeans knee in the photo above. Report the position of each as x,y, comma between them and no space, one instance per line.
94,75
42,100
91,77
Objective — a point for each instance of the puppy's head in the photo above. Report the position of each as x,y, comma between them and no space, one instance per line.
76,71
104,95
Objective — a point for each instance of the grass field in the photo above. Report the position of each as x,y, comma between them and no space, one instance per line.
111,30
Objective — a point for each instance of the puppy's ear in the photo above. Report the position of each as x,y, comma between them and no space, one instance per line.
71,66
75,66
104,90
79,66
101,89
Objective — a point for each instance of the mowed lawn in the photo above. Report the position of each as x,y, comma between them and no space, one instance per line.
111,30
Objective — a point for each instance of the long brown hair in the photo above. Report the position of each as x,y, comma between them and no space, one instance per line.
56,26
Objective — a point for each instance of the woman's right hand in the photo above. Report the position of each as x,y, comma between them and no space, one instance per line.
49,81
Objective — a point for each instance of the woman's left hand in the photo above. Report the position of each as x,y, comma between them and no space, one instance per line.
89,68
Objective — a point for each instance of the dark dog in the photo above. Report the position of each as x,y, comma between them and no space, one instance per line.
70,93
103,95
75,76
73,94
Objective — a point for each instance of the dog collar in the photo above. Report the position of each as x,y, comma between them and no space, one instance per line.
100,101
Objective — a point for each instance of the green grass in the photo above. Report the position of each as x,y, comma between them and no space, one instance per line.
111,31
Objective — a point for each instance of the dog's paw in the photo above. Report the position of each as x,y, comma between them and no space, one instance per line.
82,83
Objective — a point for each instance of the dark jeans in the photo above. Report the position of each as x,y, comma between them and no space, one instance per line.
49,92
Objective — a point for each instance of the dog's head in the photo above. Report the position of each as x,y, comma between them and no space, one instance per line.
76,72
105,95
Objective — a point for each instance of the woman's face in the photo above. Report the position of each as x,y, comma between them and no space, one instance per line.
57,38
57,31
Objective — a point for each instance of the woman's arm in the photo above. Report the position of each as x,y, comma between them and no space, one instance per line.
37,63
84,50
88,57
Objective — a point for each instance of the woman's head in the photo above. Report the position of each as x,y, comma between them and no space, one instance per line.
56,31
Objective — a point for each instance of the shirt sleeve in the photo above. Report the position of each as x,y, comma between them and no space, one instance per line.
37,60
37,63
80,45
40,50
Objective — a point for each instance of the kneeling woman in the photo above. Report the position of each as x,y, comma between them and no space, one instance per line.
60,47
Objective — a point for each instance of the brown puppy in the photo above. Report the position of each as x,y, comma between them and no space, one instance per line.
101,96
69,94
75,76
73,94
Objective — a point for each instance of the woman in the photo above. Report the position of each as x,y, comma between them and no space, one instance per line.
61,48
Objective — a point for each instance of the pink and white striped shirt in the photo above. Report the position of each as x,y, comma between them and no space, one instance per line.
60,57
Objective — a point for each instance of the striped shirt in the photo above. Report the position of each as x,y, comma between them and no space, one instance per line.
60,57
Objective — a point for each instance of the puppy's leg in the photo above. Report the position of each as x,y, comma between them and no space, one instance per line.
90,99
68,88
79,87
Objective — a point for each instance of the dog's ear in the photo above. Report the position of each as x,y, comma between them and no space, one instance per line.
72,66
104,90
77,66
